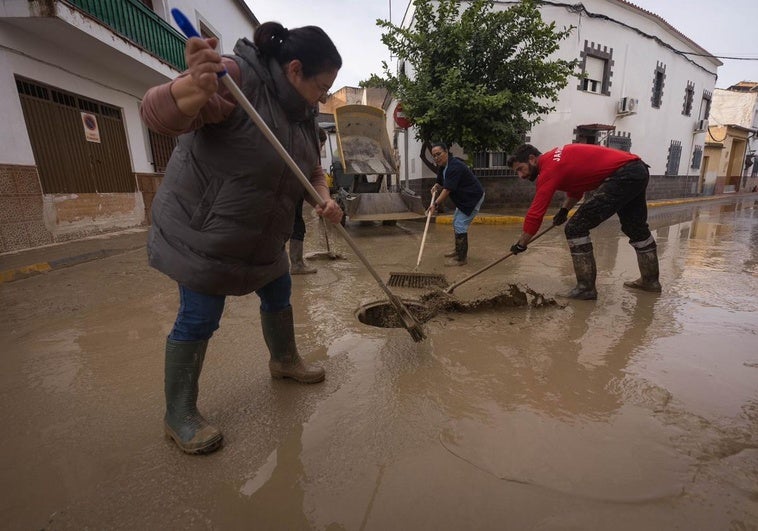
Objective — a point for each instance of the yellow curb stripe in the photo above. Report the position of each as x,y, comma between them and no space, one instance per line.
501,220
25,271
483,220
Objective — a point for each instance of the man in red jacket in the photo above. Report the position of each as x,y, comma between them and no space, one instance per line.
619,180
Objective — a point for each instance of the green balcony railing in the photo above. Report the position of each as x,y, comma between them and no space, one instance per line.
134,21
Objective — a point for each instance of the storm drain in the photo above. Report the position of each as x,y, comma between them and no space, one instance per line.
384,315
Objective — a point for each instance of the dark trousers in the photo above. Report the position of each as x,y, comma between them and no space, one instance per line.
298,229
622,193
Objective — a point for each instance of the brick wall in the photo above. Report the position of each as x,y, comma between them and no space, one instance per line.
672,187
22,223
29,218
506,191
148,183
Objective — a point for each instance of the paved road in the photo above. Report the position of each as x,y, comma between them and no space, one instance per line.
633,412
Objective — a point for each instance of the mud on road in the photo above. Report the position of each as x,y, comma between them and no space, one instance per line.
637,411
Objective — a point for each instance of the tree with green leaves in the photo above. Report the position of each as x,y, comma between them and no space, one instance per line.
473,75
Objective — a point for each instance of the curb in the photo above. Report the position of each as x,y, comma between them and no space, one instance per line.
21,272
495,219
18,273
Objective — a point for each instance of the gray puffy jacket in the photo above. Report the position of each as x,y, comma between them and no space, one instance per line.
225,208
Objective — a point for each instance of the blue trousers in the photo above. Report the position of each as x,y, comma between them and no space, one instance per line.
461,221
200,314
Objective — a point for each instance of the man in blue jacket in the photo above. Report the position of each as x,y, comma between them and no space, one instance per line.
456,181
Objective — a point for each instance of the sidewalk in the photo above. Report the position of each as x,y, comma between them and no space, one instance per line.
17,265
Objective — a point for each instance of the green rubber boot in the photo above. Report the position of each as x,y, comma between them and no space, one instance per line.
586,273
279,333
647,260
183,423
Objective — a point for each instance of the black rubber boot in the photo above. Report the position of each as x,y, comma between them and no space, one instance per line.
183,423
586,273
461,251
297,262
454,251
647,259
279,333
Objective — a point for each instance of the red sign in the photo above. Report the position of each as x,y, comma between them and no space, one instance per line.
400,118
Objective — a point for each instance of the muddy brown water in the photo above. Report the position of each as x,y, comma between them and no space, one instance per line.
637,411
433,303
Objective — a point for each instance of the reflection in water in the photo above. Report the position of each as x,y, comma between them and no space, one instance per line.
273,497
543,409
60,369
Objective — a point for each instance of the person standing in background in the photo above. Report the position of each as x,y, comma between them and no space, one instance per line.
456,181
298,266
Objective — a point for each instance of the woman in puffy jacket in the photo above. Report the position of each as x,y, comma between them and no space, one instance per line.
225,209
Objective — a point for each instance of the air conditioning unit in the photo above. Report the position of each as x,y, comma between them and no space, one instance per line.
701,125
627,105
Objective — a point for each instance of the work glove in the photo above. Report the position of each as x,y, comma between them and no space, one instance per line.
517,248
560,217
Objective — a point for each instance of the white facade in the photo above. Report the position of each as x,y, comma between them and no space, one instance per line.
74,53
77,53
633,43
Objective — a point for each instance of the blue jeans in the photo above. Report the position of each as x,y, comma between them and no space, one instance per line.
199,314
461,221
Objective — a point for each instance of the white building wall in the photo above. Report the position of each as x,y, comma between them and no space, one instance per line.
635,58
224,18
61,53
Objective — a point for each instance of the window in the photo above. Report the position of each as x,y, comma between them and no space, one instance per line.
619,140
705,105
596,63
161,147
697,157
481,159
594,72
659,78
498,159
207,33
675,153
689,96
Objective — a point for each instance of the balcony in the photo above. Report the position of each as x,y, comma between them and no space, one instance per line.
134,21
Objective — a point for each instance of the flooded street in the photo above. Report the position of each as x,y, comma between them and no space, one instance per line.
635,411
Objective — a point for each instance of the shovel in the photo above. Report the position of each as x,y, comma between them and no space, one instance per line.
454,285
409,322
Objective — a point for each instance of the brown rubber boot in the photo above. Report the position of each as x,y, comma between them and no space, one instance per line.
183,423
647,260
297,262
279,333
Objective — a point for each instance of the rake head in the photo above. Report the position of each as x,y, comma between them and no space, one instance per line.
417,280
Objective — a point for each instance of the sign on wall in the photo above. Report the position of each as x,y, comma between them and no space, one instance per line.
91,131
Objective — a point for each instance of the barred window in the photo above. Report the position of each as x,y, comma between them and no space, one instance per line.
621,141
675,154
697,157
659,78
689,96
